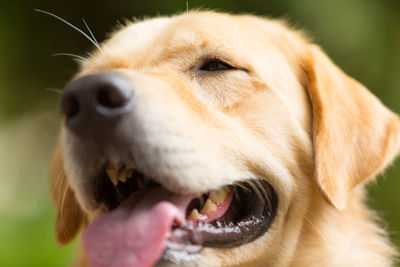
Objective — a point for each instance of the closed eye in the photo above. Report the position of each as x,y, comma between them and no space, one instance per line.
215,65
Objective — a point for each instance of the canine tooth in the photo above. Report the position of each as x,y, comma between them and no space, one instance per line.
208,207
217,196
194,214
112,174
123,175
130,172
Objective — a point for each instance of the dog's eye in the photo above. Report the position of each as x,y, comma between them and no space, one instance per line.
215,65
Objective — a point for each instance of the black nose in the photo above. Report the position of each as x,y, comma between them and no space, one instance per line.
95,102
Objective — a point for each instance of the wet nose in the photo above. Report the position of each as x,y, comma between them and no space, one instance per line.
95,102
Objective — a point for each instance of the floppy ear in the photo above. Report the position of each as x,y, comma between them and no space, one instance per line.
354,135
70,216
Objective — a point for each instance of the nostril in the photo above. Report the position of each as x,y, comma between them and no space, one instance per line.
95,102
110,96
70,106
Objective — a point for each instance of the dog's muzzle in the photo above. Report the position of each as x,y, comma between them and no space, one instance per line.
105,146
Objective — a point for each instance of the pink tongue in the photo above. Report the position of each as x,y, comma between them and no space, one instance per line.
134,233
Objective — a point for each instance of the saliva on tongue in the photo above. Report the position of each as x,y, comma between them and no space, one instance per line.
133,234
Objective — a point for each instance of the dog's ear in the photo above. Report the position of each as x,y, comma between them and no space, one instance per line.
70,216
354,135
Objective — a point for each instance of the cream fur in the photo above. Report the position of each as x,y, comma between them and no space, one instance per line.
273,120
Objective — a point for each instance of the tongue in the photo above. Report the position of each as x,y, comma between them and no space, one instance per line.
134,233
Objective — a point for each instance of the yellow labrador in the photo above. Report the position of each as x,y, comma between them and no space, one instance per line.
209,139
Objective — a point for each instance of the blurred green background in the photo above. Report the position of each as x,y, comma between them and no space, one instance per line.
362,37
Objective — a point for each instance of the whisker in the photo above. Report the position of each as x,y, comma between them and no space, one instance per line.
59,182
72,26
260,188
77,57
266,193
54,90
91,33
320,233
63,200
255,189
237,195
242,187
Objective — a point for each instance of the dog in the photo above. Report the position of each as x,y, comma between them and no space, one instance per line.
211,139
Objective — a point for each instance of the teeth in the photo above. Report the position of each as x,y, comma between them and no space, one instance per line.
208,207
130,172
217,196
195,215
113,174
123,175
118,172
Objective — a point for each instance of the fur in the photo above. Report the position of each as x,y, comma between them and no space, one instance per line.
286,114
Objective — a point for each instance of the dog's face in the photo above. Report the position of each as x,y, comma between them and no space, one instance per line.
203,138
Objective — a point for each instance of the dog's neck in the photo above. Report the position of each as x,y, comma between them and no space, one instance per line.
343,238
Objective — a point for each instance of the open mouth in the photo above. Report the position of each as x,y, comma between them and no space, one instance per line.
171,226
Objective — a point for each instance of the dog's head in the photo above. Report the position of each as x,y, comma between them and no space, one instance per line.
204,138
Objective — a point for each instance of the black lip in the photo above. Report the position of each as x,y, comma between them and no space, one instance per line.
247,219
252,220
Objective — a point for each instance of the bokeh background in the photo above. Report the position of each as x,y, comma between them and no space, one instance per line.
362,37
